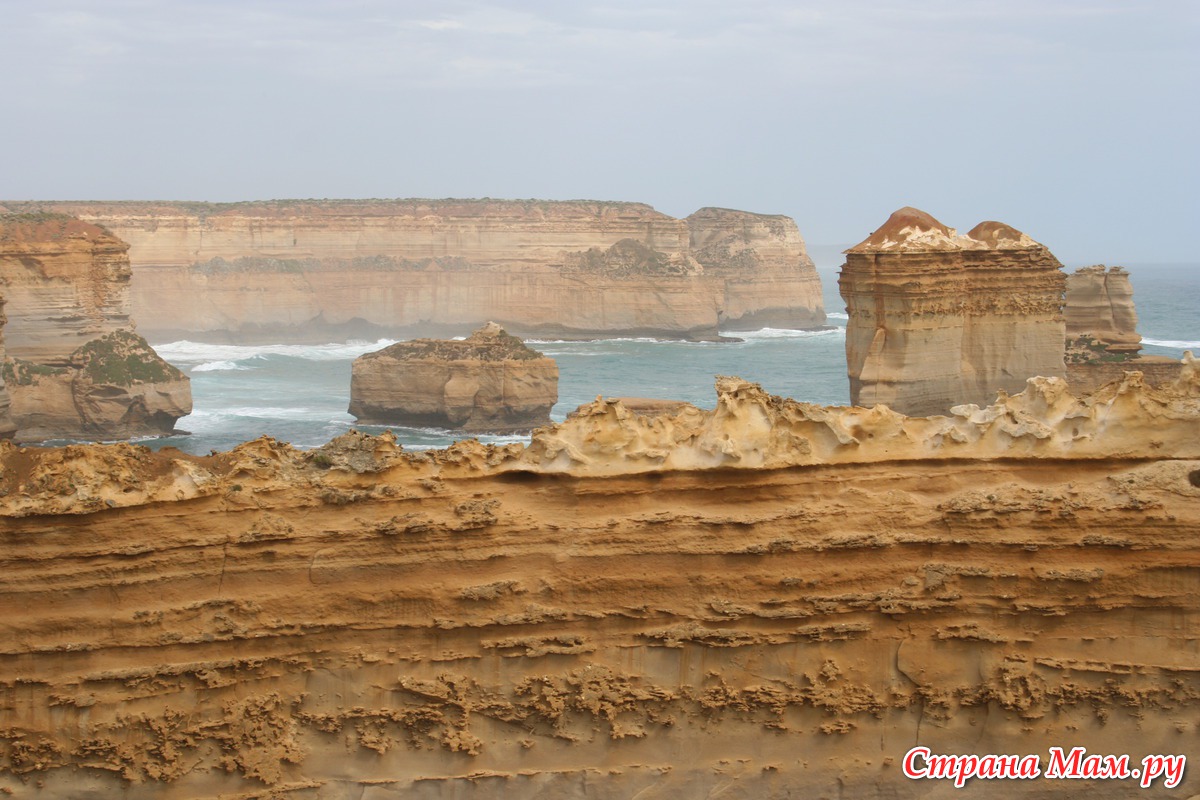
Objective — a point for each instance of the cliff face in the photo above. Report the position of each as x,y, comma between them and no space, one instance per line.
73,367
315,269
488,383
66,282
1100,306
1102,339
938,319
359,622
770,282
7,426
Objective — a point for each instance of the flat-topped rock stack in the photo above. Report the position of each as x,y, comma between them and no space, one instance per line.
72,365
937,319
489,382
7,427
1100,309
1102,338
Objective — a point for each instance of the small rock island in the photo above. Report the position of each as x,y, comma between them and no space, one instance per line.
489,382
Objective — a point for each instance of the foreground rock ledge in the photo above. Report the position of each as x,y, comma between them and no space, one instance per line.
549,621
488,383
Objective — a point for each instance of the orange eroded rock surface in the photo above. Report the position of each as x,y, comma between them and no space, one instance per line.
770,598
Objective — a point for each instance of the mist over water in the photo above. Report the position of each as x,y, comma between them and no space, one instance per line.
300,393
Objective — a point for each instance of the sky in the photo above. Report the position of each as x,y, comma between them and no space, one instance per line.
1074,121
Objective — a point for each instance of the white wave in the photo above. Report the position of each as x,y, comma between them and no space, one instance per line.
200,352
837,315
1181,344
644,339
216,366
786,333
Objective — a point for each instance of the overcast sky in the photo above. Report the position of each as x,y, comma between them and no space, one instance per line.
1073,121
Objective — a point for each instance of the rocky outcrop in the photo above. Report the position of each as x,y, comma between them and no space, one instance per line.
311,270
1099,307
1102,339
65,281
770,282
937,319
488,383
358,621
7,427
73,366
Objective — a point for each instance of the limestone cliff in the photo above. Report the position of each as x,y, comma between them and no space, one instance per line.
488,383
361,622
1102,339
770,282
938,319
7,426
73,367
66,282
309,270
1099,305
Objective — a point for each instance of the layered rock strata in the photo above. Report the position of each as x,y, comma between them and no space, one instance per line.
1102,339
7,427
937,319
309,270
770,281
73,366
358,621
1099,306
488,383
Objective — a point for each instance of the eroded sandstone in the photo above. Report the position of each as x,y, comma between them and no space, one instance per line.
311,270
1099,305
7,426
489,382
359,621
73,367
937,319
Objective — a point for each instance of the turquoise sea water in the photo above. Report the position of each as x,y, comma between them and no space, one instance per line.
299,393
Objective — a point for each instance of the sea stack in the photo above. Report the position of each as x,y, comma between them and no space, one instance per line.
1102,339
488,383
7,427
73,366
1100,307
938,319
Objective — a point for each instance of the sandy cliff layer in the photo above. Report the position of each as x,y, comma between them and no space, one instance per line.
489,382
359,622
1099,305
938,319
7,426
315,269
65,282
72,366
1102,338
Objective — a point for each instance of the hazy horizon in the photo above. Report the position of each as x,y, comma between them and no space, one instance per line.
1068,120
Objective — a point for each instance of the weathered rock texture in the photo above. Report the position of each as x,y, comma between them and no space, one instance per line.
770,281
1102,339
938,319
488,383
1099,305
358,622
315,269
7,426
72,366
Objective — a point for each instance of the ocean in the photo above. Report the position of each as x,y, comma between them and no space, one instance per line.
299,393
